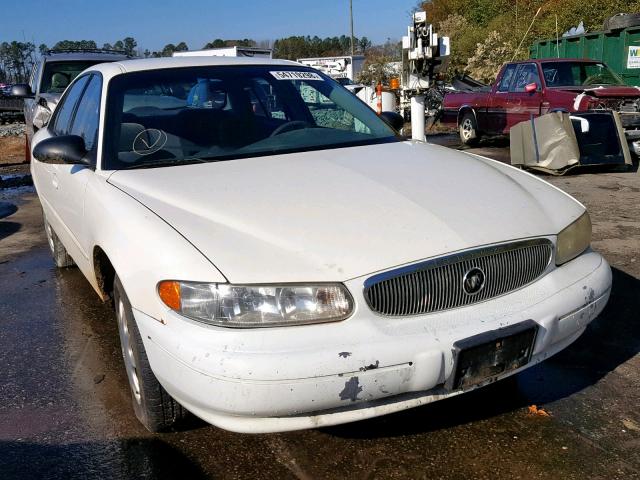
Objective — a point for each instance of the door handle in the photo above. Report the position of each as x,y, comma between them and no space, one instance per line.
54,180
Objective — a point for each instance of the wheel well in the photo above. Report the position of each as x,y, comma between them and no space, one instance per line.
464,110
105,273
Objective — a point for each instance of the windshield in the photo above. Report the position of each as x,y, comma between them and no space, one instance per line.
344,81
185,115
578,74
58,75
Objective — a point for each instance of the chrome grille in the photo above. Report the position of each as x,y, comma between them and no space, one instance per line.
437,284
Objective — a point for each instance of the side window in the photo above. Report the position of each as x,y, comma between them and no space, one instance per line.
64,111
527,73
264,101
85,121
505,81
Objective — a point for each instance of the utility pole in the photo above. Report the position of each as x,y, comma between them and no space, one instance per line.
351,16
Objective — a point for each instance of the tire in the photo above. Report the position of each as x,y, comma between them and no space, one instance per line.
153,406
622,20
60,256
27,149
468,130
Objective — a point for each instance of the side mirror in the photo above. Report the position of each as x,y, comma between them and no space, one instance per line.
531,87
63,149
394,119
21,90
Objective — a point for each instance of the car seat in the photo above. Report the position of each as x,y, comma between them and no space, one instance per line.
59,81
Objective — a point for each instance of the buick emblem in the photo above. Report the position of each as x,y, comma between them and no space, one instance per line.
473,281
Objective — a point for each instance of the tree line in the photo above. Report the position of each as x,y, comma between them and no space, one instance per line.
17,58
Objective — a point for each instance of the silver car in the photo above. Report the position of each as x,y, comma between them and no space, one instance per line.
50,76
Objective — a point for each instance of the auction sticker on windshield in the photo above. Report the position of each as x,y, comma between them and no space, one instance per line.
296,76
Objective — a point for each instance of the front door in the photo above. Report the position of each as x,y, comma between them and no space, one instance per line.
523,105
77,114
497,108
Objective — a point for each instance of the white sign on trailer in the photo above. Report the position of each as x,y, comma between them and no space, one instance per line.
633,60
336,67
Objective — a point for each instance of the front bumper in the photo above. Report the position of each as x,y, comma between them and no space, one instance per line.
290,378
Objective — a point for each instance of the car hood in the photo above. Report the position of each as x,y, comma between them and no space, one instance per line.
603,91
613,91
333,215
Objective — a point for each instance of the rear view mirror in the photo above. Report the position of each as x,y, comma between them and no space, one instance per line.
531,87
63,149
21,90
394,119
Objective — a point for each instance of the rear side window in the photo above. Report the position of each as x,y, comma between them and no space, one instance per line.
65,111
85,121
505,81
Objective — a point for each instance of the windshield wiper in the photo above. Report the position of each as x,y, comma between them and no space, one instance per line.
167,162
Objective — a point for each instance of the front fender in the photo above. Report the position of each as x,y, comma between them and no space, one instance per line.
142,248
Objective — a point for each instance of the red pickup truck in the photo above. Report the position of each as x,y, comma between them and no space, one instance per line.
534,87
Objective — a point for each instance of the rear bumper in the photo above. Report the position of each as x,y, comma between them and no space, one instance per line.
304,377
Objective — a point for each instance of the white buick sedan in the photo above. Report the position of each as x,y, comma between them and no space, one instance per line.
279,258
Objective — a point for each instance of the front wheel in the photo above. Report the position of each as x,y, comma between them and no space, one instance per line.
153,406
469,129
60,255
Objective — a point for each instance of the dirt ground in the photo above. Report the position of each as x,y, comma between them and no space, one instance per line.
65,405
11,150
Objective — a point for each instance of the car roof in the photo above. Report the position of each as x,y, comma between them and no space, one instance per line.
83,56
136,65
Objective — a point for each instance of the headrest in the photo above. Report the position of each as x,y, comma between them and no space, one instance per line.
59,80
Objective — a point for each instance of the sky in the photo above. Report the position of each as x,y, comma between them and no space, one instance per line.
155,23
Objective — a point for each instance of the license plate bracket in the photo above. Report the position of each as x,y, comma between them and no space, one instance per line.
484,357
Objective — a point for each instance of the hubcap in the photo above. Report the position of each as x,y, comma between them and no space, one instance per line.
47,229
127,352
467,128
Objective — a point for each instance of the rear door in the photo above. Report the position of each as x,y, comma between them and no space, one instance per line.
522,105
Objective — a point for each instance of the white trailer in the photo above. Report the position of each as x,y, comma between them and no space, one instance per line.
338,68
228,52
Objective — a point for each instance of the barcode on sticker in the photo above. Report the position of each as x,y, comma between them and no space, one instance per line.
296,76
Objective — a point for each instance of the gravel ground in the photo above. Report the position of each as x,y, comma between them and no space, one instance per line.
12,130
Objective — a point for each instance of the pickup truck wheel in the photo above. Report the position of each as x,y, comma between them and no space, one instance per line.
60,256
153,406
469,129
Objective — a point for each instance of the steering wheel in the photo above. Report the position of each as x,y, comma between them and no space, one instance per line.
292,125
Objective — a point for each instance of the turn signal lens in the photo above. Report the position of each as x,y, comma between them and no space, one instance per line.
169,292
573,240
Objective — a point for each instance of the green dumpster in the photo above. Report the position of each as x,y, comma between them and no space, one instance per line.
619,49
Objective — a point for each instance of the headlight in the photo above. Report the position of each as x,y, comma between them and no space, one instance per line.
574,239
257,306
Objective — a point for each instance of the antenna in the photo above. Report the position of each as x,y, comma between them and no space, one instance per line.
351,17
557,38
525,34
